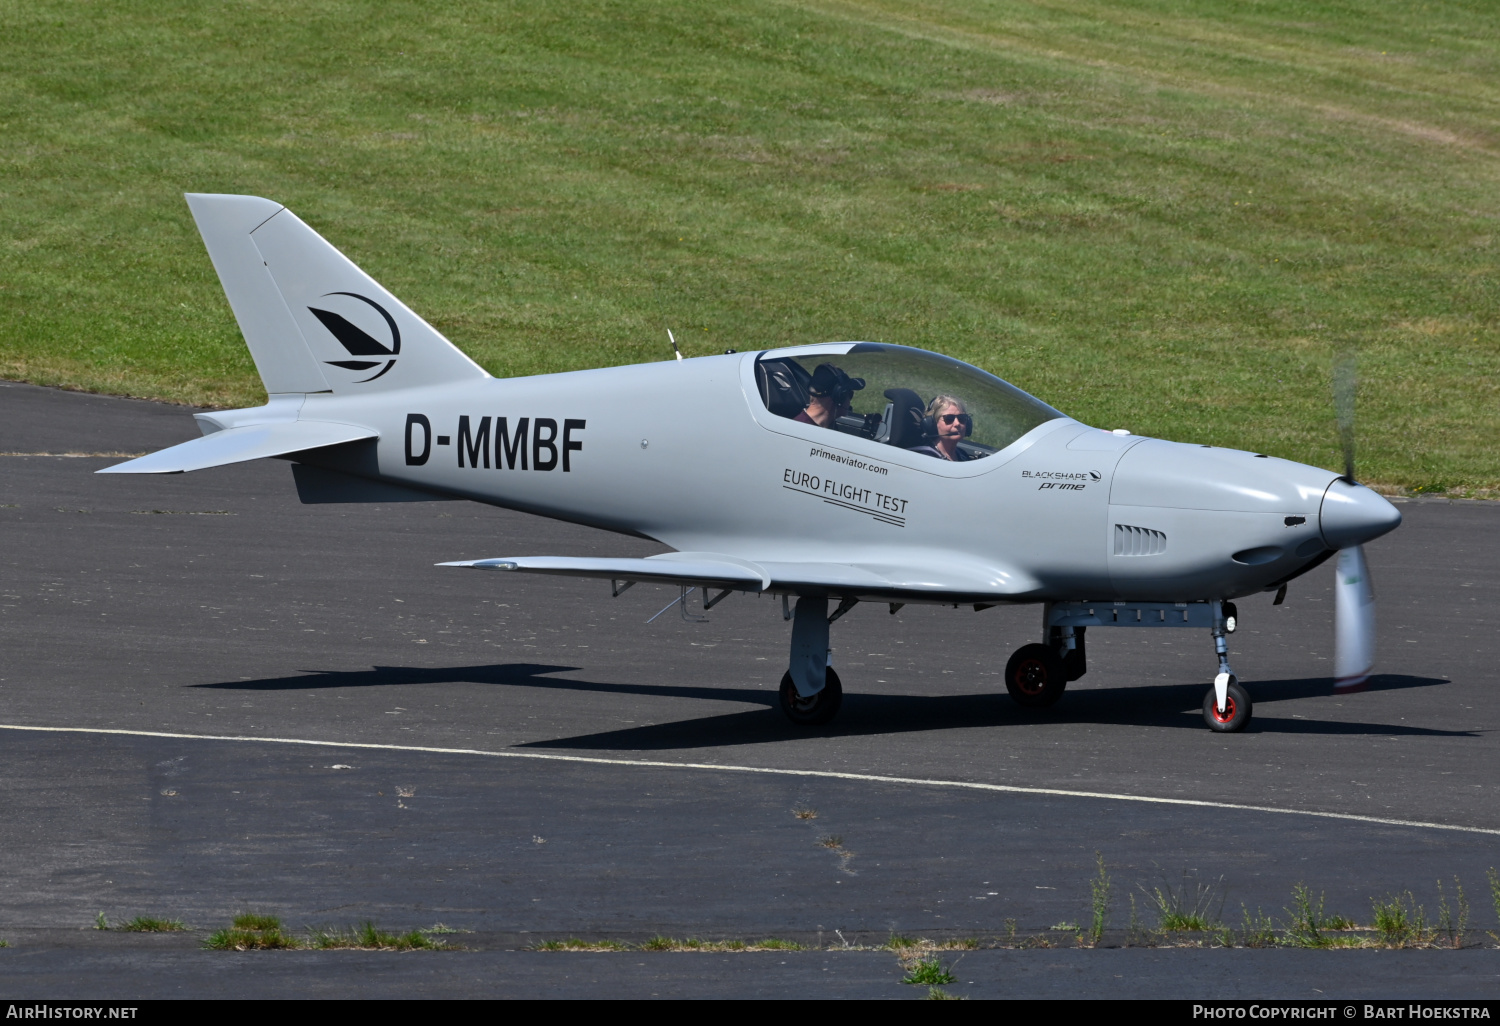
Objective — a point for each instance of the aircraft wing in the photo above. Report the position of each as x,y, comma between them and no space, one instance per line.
933,578
238,444
695,568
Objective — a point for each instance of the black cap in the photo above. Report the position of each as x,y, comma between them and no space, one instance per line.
831,381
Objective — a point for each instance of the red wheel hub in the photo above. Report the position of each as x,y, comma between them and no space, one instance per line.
1031,677
1228,714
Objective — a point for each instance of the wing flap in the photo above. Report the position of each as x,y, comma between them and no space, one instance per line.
672,568
239,444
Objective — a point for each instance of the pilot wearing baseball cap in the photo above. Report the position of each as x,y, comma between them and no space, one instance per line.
829,395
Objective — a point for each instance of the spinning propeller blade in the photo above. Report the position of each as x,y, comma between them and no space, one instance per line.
1343,406
1354,621
1354,597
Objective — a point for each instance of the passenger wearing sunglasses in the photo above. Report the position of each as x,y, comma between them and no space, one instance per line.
947,424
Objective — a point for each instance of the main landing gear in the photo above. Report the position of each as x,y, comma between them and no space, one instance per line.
811,691
816,709
1037,674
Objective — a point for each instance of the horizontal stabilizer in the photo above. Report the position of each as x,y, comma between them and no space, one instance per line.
238,444
696,568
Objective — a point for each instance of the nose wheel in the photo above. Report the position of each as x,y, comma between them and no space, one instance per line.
814,710
1236,711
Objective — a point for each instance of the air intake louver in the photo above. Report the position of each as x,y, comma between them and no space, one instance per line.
1138,541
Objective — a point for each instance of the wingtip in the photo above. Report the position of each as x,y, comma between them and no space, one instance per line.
125,468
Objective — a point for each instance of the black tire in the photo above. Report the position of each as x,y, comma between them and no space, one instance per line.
814,711
1236,713
1035,677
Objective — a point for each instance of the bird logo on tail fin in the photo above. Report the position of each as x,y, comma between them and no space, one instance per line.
358,341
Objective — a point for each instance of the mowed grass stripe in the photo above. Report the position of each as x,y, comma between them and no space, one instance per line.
1156,215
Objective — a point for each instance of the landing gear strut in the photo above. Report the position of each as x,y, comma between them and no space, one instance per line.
1036,675
811,691
1226,706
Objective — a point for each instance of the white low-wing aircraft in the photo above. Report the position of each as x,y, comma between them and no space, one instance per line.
840,473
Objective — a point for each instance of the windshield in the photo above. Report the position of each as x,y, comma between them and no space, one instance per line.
908,398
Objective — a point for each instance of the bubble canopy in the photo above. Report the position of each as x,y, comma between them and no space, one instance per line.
899,382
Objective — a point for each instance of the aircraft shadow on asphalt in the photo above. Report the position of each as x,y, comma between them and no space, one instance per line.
1158,705
510,674
1177,706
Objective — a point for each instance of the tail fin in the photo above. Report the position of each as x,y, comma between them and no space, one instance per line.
314,321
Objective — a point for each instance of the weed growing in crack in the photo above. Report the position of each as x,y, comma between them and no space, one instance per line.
255,932
939,994
776,944
100,923
1453,923
252,921
574,944
805,813
146,924
252,933
1195,905
1307,923
660,943
368,937
1494,879
1135,933
1394,919
900,942
1259,931
833,841
1010,931
1099,889
928,972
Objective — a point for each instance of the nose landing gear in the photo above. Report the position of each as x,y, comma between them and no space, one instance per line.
1230,713
1226,706
1037,674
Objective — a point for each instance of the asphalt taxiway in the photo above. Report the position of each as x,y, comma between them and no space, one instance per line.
254,704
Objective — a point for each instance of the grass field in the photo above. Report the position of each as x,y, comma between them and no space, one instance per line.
1163,215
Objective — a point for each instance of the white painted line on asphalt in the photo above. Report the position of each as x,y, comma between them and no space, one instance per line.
770,771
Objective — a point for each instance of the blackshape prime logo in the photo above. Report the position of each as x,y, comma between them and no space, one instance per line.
358,341
1063,475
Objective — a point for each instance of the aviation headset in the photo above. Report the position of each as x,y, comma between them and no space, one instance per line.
929,423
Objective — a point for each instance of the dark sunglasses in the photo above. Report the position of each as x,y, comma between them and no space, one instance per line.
962,418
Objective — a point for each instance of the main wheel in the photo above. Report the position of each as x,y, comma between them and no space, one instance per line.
1236,712
1035,676
820,708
